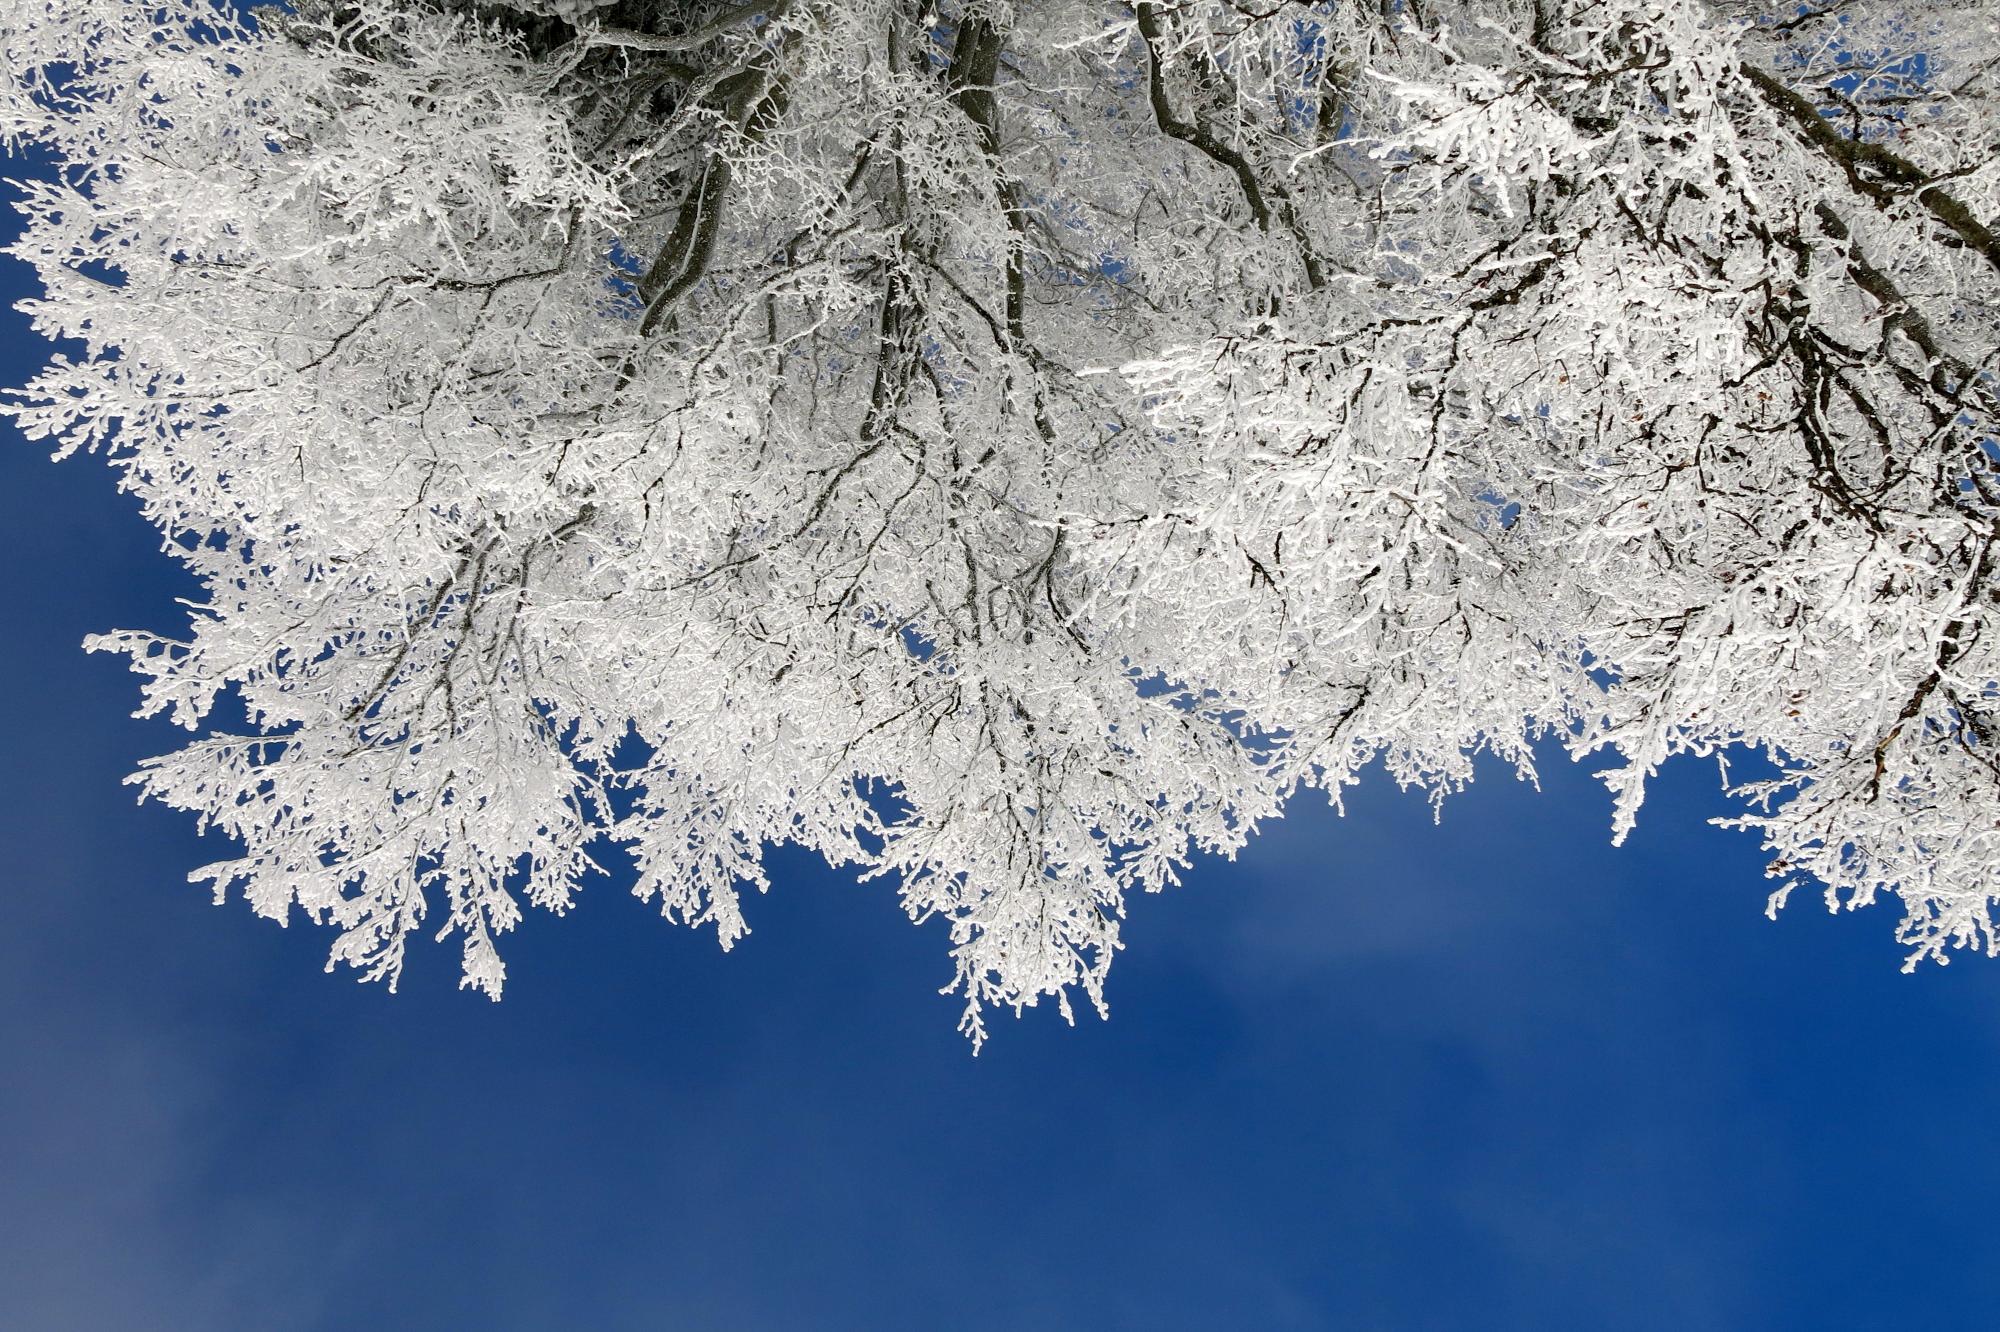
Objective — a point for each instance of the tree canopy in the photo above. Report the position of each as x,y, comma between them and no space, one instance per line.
1010,447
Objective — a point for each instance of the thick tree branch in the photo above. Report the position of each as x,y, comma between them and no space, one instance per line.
1198,136
694,38
1874,171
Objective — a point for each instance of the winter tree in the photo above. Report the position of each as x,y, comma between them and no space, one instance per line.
1009,447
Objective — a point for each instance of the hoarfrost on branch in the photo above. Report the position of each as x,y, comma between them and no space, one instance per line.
1009,447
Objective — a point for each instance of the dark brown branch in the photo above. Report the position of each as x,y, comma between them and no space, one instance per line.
1873,170
1198,136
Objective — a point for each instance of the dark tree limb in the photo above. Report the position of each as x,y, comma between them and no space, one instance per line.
1875,171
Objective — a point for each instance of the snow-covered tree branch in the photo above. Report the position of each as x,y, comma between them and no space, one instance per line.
1012,447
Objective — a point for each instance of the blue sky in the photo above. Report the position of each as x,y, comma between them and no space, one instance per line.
1375,1075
